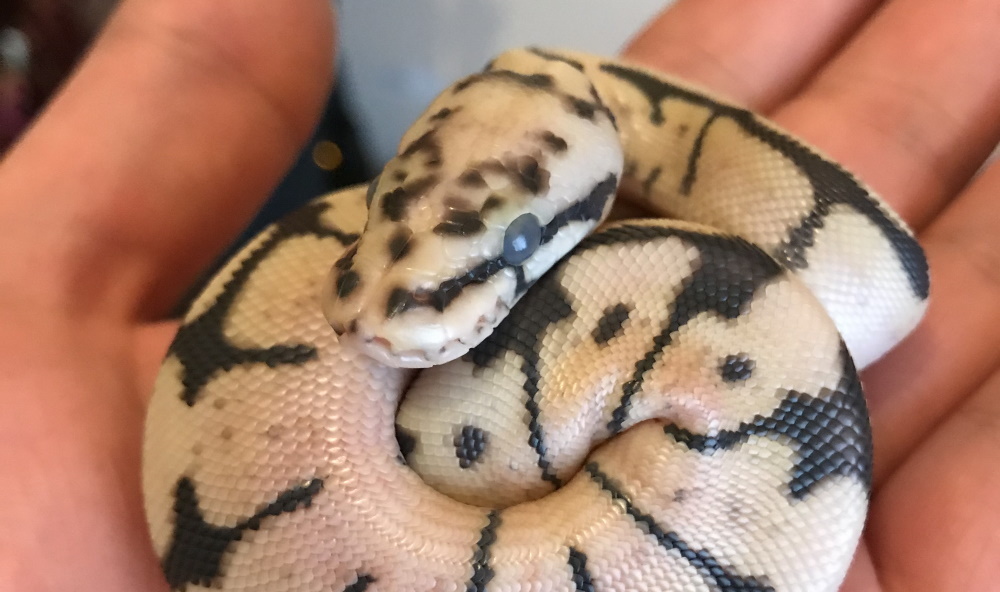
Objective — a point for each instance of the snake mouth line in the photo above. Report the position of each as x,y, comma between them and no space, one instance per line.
382,349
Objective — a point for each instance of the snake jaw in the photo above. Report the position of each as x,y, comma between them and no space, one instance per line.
429,345
419,335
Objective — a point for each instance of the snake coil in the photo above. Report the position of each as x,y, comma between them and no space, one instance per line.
649,404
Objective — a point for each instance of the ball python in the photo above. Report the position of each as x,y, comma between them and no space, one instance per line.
662,403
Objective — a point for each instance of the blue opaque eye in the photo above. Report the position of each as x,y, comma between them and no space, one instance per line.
521,239
371,191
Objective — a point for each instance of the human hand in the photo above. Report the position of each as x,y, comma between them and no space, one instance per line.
149,162
906,96
172,132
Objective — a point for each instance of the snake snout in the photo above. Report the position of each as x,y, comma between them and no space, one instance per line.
413,327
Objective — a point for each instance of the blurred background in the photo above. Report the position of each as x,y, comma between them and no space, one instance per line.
395,56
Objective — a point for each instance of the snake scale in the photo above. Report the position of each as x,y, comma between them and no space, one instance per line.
672,403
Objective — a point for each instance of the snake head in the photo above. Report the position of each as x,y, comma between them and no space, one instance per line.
478,204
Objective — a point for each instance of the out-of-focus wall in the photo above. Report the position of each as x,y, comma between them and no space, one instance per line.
396,55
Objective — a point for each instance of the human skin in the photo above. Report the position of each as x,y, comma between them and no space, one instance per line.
186,113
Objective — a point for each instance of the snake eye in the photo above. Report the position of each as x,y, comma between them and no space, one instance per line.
521,239
371,191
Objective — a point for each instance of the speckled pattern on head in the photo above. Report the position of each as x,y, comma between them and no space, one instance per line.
673,405
436,257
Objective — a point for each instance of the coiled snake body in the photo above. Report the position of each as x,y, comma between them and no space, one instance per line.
670,407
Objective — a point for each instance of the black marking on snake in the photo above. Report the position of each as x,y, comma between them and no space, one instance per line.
472,178
428,143
399,301
590,208
531,176
360,584
656,90
582,108
603,107
482,573
729,272
691,174
831,184
470,443
737,367
346,260
347,279
650,180
460,223
444,113
449,289
554,142
521,332
523,171
554,57
588,110
718,576
407,443
197,548
539,81
611,324
400,243
201,345
582,580
347,282
831,433
396,203
492,202
522,282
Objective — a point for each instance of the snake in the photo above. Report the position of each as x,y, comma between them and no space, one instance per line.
592,328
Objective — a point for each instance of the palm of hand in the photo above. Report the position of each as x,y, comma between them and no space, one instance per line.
99,243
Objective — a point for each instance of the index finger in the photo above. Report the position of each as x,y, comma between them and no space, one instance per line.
747,50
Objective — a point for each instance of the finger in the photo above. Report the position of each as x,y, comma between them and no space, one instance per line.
956,346
911,104
933,525
756,53
175,127
861,576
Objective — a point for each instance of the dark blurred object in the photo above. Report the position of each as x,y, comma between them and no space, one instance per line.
40,43
15,104
42,40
